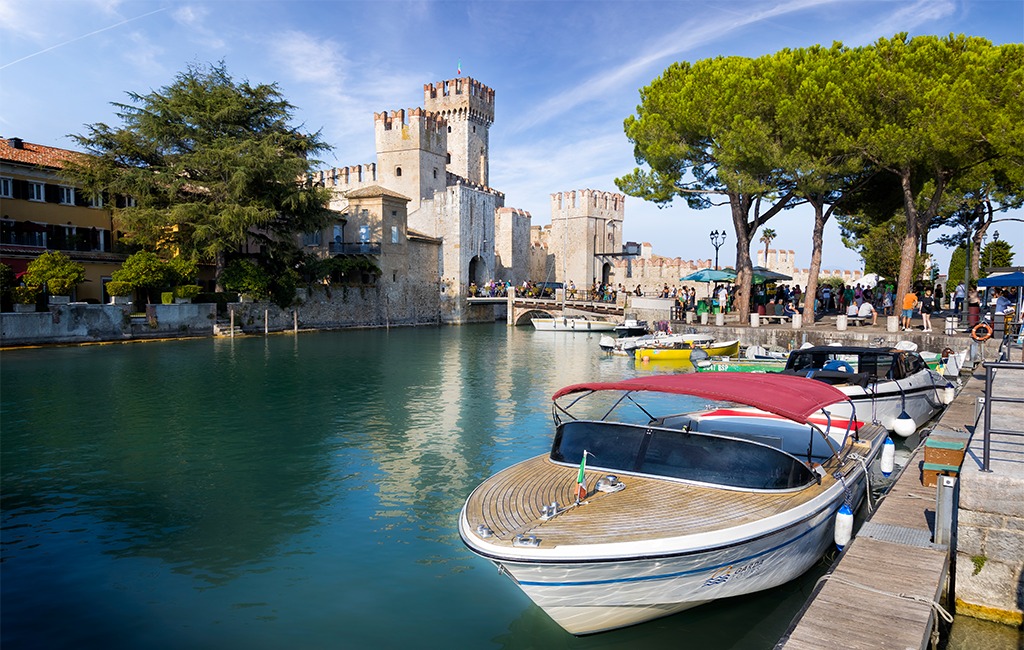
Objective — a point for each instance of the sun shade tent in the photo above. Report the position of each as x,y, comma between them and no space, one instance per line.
794,398
709,275
1015,279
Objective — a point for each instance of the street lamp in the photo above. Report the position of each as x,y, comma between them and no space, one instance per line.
717,239
995,238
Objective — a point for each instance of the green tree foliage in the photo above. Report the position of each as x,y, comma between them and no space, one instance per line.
59,272
996,254
882,249
181,271
143,270
244,276
701,131
767,235
957,261
210,163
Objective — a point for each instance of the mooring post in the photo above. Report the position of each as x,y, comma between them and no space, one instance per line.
232,323
295,315
266,322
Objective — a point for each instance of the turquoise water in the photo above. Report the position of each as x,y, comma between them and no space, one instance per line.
292,491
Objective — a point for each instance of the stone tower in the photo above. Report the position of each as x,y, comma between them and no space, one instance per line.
586,234
412,147
468,108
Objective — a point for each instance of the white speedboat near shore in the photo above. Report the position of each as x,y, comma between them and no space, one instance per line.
627,345
571,325
883,383
626,522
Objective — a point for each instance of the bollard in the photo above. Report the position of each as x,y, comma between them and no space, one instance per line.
704,318
798,321
755,320
691,317
892,323
947,495
841,322
719,319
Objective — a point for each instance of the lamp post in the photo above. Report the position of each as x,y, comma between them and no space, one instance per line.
717,239
995,238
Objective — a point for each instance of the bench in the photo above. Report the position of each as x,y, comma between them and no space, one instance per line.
775,319
854,320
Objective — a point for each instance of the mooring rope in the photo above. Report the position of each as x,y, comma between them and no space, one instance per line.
867,478
934,604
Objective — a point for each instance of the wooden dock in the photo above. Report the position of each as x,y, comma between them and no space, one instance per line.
883,591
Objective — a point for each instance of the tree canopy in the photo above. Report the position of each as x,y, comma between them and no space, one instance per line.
208,163
902,127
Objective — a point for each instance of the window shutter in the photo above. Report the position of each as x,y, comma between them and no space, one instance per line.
20,189
80,198
51,193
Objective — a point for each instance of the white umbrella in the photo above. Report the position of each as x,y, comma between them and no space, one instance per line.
870,280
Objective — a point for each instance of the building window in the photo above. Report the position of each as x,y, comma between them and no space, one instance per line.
6,186
449,129
435,172
394,234
67,195
398,171
311,238
129,201
35,192
474,129
96,201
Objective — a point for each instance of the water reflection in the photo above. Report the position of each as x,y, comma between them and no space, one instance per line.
291,490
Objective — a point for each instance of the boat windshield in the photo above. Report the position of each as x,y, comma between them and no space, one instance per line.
678,454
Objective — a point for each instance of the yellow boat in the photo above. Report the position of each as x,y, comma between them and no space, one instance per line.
681,351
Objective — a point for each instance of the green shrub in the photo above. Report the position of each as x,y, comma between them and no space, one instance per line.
25,295
7,279
187,291
57,270
246,277
143,269
120,289
167,297
181,271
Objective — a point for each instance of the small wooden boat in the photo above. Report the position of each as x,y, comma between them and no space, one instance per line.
571,325
681,351
626,522
626,346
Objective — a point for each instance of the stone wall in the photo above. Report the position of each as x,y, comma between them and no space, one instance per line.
84,323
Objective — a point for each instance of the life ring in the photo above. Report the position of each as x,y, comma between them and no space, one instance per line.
979,337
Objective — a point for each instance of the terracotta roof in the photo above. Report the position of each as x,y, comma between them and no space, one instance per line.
35,154
374,191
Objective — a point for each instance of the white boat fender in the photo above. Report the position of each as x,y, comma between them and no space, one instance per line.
844,526
948,394
904,425
888,456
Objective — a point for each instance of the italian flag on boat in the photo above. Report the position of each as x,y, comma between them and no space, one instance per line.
581,480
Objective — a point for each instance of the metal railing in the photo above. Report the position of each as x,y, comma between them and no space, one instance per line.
356,248
990,368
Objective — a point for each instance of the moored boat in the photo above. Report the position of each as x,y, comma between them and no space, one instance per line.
571,325
626,346
681,351
626,522
893,387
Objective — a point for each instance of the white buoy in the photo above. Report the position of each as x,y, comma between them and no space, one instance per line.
888,456
844,526
948,393
904,425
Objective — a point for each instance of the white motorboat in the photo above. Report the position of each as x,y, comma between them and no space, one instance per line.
571,325
626,346
890,386
626,522
631,327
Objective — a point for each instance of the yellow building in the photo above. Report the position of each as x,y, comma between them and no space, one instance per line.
41,211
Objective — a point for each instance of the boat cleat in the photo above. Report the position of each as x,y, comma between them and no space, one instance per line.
610,483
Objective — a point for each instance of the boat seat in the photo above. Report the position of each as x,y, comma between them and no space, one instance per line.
833,377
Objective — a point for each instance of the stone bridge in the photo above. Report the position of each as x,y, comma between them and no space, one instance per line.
521,310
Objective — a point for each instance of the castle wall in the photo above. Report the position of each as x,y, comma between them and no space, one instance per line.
584,225
512,245
411,152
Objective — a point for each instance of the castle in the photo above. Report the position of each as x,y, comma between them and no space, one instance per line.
426,210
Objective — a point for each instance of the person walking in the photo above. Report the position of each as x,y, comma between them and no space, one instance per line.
909,304
958,297
938,299
926,310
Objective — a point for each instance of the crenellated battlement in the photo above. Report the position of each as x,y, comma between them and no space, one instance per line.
346,177
460,98
455,179
415,128
429,121
589,203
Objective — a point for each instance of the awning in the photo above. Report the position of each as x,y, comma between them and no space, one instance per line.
794,398
1004,280
29,226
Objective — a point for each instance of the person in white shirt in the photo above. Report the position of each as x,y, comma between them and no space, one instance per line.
866,309
852,309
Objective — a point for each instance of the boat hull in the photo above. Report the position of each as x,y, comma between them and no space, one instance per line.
884,401
586,597
571,325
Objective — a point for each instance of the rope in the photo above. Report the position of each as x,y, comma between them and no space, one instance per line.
867,478
934,604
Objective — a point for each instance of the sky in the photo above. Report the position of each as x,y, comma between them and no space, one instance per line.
565,75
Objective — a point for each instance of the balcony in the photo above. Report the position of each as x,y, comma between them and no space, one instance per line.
355,248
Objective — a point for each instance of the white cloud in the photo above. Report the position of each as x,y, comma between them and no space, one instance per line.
906,19
195,19
688,36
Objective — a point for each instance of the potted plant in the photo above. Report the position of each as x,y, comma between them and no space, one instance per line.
185,293
60,274
120,292
24,299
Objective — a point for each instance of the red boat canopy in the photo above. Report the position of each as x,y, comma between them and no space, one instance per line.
794,398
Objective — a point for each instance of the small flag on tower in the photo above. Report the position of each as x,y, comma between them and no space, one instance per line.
581,480
460,67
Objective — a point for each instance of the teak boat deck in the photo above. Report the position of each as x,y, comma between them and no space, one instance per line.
510,502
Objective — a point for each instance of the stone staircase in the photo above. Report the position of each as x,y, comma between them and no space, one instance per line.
224,329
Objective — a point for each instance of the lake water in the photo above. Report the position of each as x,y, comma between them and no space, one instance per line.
293,491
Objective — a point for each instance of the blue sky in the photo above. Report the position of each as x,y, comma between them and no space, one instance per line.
566,74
